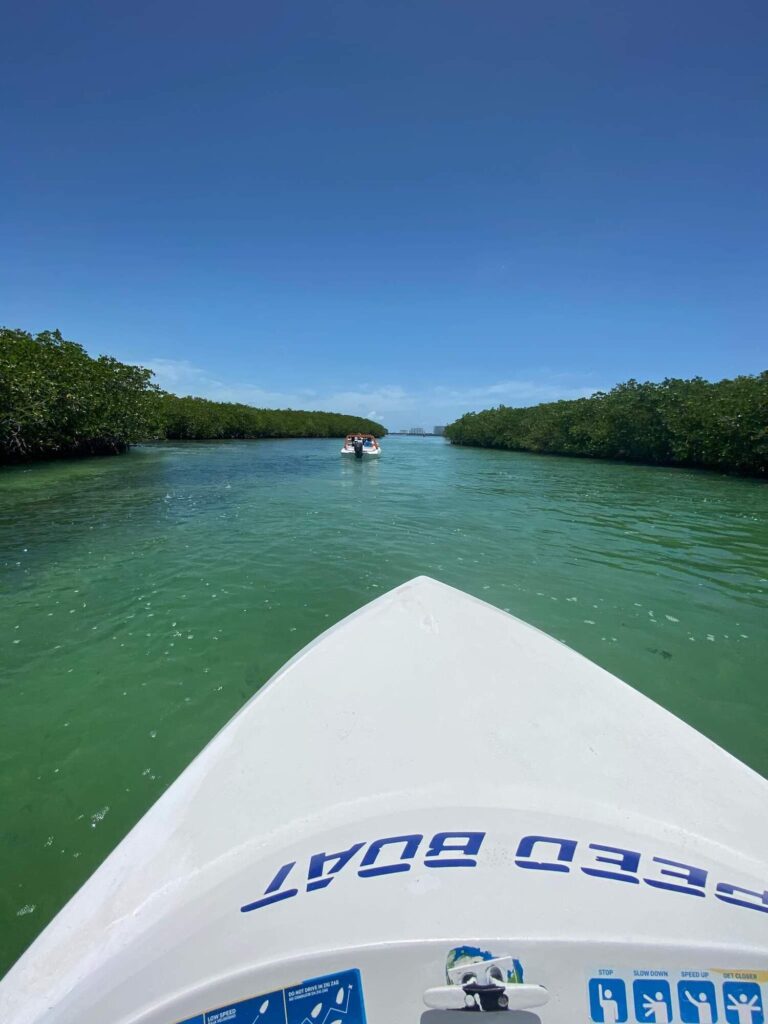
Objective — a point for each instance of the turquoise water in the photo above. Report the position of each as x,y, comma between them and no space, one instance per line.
146,597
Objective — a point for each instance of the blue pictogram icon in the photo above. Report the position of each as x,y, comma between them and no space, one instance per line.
607,1000
743,1002
698,1002
653,1000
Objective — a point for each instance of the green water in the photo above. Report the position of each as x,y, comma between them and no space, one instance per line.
146,597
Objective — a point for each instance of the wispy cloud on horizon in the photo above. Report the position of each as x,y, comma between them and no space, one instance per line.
391,404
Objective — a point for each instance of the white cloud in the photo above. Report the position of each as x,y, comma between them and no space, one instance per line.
183,378
391,404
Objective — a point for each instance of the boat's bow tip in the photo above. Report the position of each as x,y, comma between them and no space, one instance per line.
419,585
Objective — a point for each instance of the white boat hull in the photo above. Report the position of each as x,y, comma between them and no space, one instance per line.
367,452
430,774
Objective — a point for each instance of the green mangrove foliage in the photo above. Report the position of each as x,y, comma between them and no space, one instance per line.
199,419
56,400
722,425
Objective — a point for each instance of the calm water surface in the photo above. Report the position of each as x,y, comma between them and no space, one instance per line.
145,598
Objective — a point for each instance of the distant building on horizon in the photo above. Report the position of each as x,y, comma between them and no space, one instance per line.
418,431
438,431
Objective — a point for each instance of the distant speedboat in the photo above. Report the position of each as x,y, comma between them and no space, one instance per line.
361,445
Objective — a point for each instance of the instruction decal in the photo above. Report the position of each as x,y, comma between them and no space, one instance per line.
331,999
661,996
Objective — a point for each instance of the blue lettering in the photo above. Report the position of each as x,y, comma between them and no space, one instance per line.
468,843
695,878
271,895
319,860
625,860
410,846
727,893
567,848
538,853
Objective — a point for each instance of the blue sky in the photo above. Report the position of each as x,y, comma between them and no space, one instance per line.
403,209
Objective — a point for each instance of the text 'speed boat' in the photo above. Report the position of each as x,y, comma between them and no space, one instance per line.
433,807
361,446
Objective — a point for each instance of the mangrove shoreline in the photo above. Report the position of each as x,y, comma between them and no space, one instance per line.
58,402
693,423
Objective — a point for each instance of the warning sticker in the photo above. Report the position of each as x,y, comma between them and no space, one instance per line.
336,999
332,999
